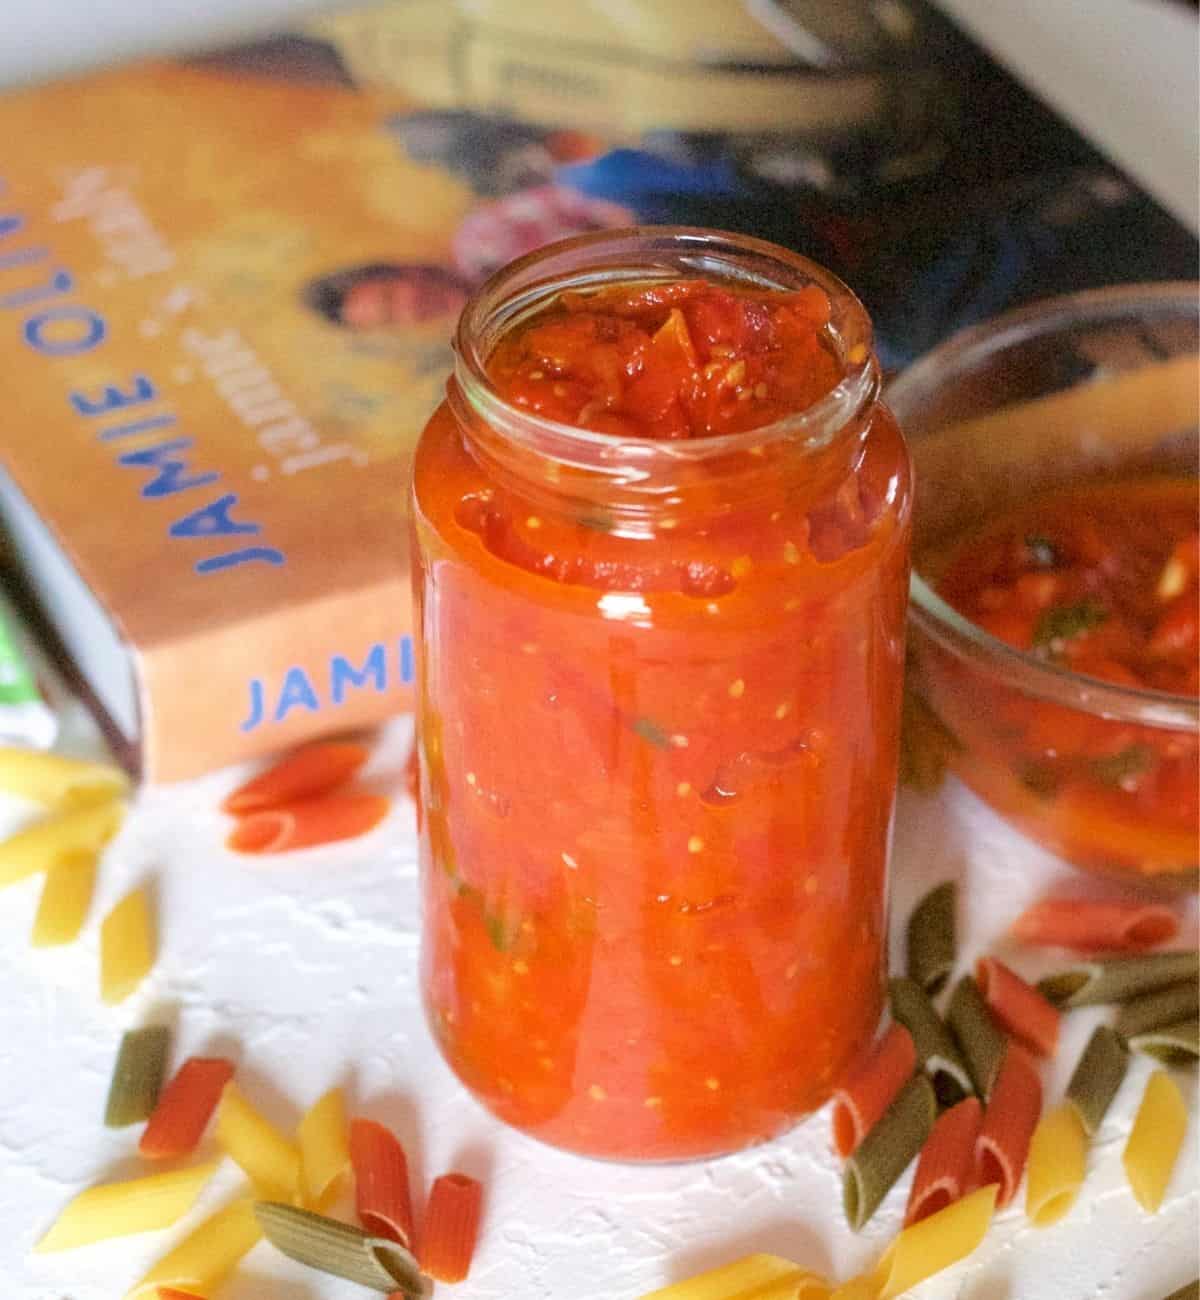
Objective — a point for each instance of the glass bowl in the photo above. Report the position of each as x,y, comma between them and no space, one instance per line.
1093,388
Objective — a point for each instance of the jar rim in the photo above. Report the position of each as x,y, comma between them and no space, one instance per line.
631,250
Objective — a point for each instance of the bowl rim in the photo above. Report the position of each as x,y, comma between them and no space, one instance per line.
944,624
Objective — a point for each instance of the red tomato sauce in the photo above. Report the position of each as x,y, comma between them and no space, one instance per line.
658,771
679,360
1101,580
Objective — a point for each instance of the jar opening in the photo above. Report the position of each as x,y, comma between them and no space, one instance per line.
655,254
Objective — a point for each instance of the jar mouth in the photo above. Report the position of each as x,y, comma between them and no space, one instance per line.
637,254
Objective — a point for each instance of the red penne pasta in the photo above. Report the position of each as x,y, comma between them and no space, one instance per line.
451,1227
310,822
184,1108
381,1195
1008,1123
1091,926
946,1161
1018,1006
303,774
871,1087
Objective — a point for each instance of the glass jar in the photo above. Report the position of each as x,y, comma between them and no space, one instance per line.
657,733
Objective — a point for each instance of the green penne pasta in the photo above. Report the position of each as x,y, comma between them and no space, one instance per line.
1118,979
337,1248
1169,1006
885,1153
939,1056
931,938
1097,1077
1172,1044
137,1076
1189,1292
981,1040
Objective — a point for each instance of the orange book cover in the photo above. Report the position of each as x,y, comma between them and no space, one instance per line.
205,469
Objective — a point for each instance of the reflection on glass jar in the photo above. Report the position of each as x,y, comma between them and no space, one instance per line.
660,661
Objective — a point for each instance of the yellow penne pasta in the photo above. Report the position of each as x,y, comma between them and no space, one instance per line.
1057,1159
203,1260
58,781
934,1243
1155,1140
858,1288
127,943
46,843
753,1277
66,895
268,1158
119,1209
324,1151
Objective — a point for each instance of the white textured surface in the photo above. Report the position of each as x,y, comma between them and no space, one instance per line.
304,968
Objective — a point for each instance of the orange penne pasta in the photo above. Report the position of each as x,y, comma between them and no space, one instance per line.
1018,1006
871,1087
1087,925
946,1161
1002,1146
173,1293
381,1194
308,823
184,1108
303,774
451,1227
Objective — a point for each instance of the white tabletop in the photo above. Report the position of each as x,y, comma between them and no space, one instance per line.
304,968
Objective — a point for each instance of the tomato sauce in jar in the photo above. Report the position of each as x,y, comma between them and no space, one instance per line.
662,534
1101,580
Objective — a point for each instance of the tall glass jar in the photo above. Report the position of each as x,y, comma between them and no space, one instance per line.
657,731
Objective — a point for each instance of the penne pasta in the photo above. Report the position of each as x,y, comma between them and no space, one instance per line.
1155,1140
870,1088
1019,1008
381,1193
450,1227
269,1159
887,1150
753,1277
324,1153
1118,979
857,1288
1002,1146
121,1209
54,839
304,773
137,1076
935,1047
58,781
184,1108
981,1042
1097,1077
1057,1159
1169,1006
173,1293
127,944
308,823
1172,1044
934,1243
205,1258
1087,925
946,1162
339,1249
66,896
931,937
